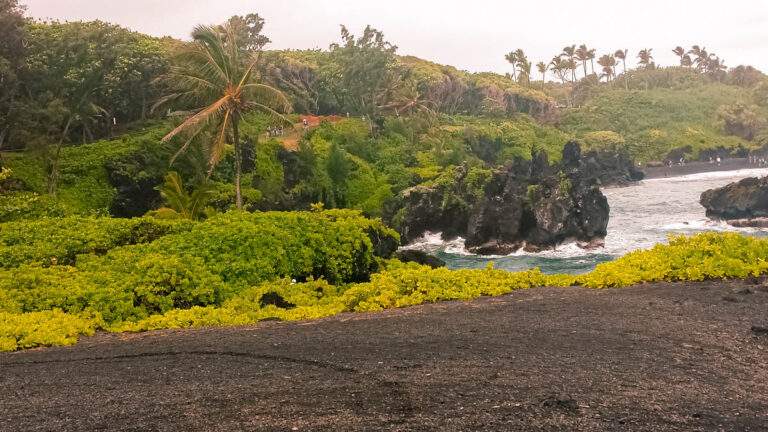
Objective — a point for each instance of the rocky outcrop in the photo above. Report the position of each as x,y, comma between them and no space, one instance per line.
419,257
743,200
612,168
527,204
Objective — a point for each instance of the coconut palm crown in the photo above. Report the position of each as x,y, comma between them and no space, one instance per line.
214,77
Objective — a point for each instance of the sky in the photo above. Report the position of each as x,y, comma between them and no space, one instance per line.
471,35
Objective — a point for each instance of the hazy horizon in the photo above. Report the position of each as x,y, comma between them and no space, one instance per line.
473,38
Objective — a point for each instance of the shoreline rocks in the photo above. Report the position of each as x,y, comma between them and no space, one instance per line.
528,204
743,203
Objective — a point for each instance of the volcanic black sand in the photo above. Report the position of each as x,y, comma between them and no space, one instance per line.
662,357
696,167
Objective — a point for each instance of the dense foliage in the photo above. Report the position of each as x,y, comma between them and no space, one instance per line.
140,288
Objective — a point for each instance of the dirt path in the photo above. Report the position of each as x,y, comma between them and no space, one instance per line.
648,358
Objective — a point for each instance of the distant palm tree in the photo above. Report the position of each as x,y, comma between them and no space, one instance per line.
608,62
591,54
569,52
217,77
512,59
560,67
646,58
542,67
680,52
582,55
523,66
622,55
701,57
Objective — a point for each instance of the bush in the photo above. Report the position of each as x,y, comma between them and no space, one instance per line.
144,287
16,206
697,258
47,328
60,240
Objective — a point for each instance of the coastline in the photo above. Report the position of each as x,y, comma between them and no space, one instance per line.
697,167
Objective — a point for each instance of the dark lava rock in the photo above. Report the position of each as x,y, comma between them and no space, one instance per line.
419,257
526,204
745,199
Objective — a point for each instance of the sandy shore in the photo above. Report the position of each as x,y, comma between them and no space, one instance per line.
696,168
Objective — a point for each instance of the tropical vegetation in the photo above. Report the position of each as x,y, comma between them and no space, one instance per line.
151,183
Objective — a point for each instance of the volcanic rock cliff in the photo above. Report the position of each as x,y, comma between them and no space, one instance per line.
527,204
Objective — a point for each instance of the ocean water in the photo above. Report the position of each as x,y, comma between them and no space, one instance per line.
642,215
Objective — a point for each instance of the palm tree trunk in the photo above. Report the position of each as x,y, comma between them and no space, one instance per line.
53,176
626,81
592,60
238,163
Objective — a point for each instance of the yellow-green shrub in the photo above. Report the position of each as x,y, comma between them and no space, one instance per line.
46,328
696,258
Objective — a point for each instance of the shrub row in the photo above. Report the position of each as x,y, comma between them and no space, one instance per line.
60,240
158,292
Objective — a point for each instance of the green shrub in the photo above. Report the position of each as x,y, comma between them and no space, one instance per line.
697,258
46,328
16,206
60,240
144,287
245,249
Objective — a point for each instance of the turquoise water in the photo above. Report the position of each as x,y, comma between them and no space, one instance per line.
642,215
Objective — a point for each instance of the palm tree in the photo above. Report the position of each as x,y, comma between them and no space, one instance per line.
558,66
591,54
181,204
542,67
646,58
512,59
584,54
570,53
608,62
680,52
622,55
82,113
216,76
523,66
701,57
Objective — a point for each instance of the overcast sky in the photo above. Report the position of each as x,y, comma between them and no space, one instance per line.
472,35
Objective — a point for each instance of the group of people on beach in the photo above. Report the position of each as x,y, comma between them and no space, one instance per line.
757,160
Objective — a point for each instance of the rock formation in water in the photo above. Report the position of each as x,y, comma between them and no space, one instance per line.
612,168
743,203
527,204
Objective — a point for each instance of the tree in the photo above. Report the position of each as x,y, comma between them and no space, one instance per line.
582,55
217,79
701,57
180,204
248,30
608,62
523,66
646,58
363,72
511,57
569,53
622,55
12,54
542,67
680,52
